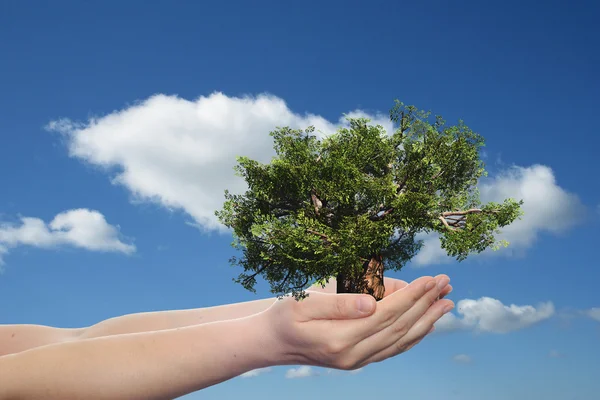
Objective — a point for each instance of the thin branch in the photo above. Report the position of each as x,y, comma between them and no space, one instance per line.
261,269
466,212
398,239
321,235
437,175
379,217
455,220
446,223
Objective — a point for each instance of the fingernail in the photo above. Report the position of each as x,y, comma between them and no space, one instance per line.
448,308
365,305
442,282
430,285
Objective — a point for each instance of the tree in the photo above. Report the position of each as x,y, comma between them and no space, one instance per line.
351,205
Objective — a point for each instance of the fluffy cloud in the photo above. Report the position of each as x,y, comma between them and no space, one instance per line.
81,228
180,153
256,372
593,313
300,372
547,208
462,359
490,315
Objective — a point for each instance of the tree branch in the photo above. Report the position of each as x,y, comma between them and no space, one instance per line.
379,217
455,220
446,223
317,203
321,235
250,277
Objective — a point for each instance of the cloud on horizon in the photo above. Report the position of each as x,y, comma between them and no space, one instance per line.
488,315
79,228
462,359
303,371
256,372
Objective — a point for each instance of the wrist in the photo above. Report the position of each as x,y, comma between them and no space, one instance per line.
276,348
253,344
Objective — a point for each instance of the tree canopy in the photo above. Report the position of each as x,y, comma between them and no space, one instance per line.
323,208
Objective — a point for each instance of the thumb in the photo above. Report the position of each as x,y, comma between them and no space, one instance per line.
338,306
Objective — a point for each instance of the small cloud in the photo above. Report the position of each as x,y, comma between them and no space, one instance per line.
462,359
300,372
162,247
490,315
593,313
255,372
330,371
555,354
80,228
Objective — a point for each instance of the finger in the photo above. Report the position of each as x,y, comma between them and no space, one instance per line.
415,335
411,316
392,285
395,305
415,303
447,290
336,306
425,323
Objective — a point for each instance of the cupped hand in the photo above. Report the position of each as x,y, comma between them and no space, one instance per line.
335,331
391,285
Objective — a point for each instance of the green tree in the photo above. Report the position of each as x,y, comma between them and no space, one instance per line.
351,205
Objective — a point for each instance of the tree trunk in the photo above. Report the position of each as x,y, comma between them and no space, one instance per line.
370,280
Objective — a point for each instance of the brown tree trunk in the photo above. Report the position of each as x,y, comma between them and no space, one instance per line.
370,280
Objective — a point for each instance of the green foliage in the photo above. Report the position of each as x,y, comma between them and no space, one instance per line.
322,207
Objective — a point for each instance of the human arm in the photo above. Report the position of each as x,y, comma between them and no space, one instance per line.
324,330
148,365
17,338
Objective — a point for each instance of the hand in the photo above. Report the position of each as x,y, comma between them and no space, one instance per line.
391,286
330,330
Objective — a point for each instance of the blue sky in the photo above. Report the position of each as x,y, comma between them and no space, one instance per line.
120,121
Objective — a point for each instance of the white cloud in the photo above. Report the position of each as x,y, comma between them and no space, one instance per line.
300,372
490,315
180,153
255,372
337,372
431,252
81,228
462,359
547,208
593,313
555,354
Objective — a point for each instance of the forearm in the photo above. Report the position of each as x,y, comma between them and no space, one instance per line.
161,320
151,365
17,338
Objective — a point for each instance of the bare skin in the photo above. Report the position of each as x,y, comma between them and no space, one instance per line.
168,354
